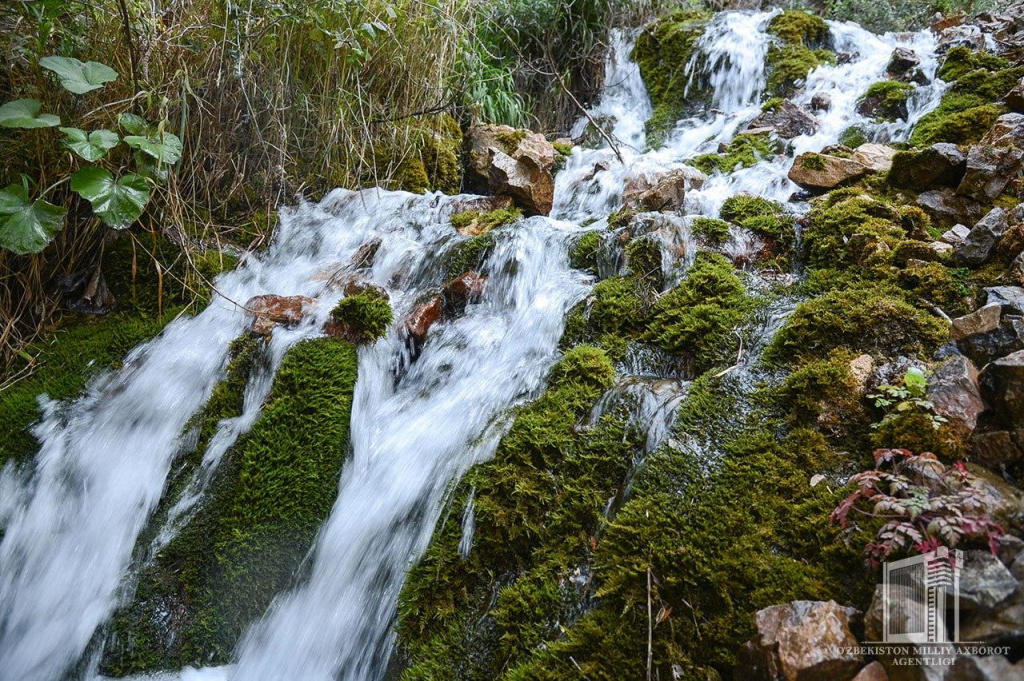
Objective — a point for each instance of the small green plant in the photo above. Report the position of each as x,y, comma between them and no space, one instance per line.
898,401
924,505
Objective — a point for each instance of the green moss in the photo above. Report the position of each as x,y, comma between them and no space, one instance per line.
951,123
260,515
803,28
812,161
586,252
789,64
962,60
480,222
643,257
825,395
663,52
888,99
562,148
467,255
367,314
697,318
936,284
616,311
772,104
621,217
853,137
63,365
845,228
429,161
744,151
866,318
767,219
710,231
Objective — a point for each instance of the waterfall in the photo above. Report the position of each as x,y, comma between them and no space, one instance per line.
72,521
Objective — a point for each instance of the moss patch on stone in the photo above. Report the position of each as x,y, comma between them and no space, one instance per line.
586,251
797,27
888,98
480,222
743,152
710,231
366,313
767,219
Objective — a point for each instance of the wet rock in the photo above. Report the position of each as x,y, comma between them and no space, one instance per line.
1011,298
821,102
875,157
422,317
660,191
995,449
946,208
982,320
989,170
956,235
940,165
269,311
819,171
483,204
461,291
984,581
953,389
902,64
1015,97
525,180
979,245
963,35
787,120
873,672
1002,387
802,641
1007,131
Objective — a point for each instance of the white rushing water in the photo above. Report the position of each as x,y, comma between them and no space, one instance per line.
71,523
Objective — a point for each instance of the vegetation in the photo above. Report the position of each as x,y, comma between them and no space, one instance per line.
742,152
475,222
803,47
366,314
887,99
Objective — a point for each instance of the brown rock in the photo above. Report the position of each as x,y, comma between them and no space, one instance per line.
661,191
902,63
484,204
422,317
802,641
982,320
481,139
269,311
861,368
461,291
818,171
821,102
873,672
875,157
1002,386
989,170
787,120
530,184
953,389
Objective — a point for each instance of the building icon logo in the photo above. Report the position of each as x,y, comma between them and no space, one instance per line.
921,598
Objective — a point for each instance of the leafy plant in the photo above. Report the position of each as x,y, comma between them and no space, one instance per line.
26,226
77,76
91,146
24,113
117,201
924,505
900,400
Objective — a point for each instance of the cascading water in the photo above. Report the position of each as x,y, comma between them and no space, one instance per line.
71,523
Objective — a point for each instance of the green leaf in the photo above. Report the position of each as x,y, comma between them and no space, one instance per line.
79,77
24,113
136,125
118,202
150,168
91,146
27,226
165,149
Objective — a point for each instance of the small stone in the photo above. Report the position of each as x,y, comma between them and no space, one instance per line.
982,239
902,63
787,120
1011,298
422,317
989,170
269,311
1002,386
660,191
956,235
821,102
861,368
941,247
982,320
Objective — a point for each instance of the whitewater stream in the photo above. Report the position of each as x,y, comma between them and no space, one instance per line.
72,520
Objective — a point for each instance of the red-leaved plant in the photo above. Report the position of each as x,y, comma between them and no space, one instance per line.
926,505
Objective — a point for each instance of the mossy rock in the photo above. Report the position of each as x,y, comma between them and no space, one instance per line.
615,312
259,517
853,137
365,315
430,161
467,255
845,228
789,64
475,222
663,52
742,152
767,219
937,284
644,259
868,318
800,28
585,253
697,318
886,100
710,231
823,394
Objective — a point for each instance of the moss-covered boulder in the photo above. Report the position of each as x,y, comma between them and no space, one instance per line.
434,162
765,218
258,518
849,227
615,313
742,152
663,53
885,100
362,317
802,47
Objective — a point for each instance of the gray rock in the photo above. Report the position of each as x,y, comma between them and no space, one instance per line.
1007,131
1005,339
989,170
982,320
1011,298
788,120
902,63
940,165
1002,387
956,234
821,102
1015,97
953,389
982,240
946,208
984,581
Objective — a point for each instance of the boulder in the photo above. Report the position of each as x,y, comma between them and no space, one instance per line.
875,157
660,191
956,235
269,311
1005,339
821,102
787,120
984,581
461,291
902,64
802,641
954,392
1011,298
1007,131
989,170
979,245
941,165
819,171
946,208
1017,266
529,183
982,320
1015,97
1002,387
995,449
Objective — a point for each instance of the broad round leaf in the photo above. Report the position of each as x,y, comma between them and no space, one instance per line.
91,146
79,77
118,202
27,226
166,149
136,125
24,113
